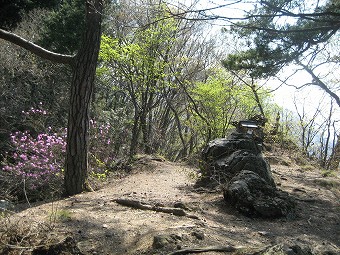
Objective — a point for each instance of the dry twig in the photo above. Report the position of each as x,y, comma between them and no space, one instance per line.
144,206
204,249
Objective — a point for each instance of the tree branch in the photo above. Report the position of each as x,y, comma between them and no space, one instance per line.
320,84
144,206
36,49
204,249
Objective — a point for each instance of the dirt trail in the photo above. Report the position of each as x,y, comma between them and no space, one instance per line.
101,226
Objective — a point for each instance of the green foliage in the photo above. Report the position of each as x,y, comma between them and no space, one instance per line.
137,66
12,12
286,133
221,100
214,101
278,33
329,173
62,31
61,215
3,214
138,56
100,169
138,60
261,62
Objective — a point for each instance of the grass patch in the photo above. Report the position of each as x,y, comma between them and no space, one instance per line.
194,175
330,184
61,215
328,173
307,168
3,214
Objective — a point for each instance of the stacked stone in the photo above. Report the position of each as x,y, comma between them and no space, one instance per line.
236,163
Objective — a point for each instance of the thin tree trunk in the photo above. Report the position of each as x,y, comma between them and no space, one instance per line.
325,153
183,152
257,99
76,171
145,124
335,158
135,134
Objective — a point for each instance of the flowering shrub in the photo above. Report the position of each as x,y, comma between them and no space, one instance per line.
37,160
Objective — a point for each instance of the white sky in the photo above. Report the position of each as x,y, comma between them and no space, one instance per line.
284,96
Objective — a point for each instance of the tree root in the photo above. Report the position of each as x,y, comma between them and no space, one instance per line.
144,206
204,249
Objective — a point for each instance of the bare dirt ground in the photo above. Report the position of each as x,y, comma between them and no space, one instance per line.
100,225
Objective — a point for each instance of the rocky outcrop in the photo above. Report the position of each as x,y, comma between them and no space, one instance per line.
236,163
252,195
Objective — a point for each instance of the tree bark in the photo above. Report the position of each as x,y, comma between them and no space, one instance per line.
76,172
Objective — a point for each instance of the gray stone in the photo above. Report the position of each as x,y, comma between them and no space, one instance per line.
252,195
198,234
223,147
161,241
236,163
244,160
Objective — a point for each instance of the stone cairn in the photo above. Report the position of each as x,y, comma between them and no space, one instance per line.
236,164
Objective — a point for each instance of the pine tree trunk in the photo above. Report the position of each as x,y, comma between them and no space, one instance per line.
76,171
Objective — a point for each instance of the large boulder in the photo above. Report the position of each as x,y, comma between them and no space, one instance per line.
222,147
243,160
223,158
253,196
236,164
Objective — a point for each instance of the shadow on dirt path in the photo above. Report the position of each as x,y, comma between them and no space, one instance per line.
101,226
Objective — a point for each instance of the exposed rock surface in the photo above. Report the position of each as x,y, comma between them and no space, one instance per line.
243,160
252,195
223,147
161,241
237,164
